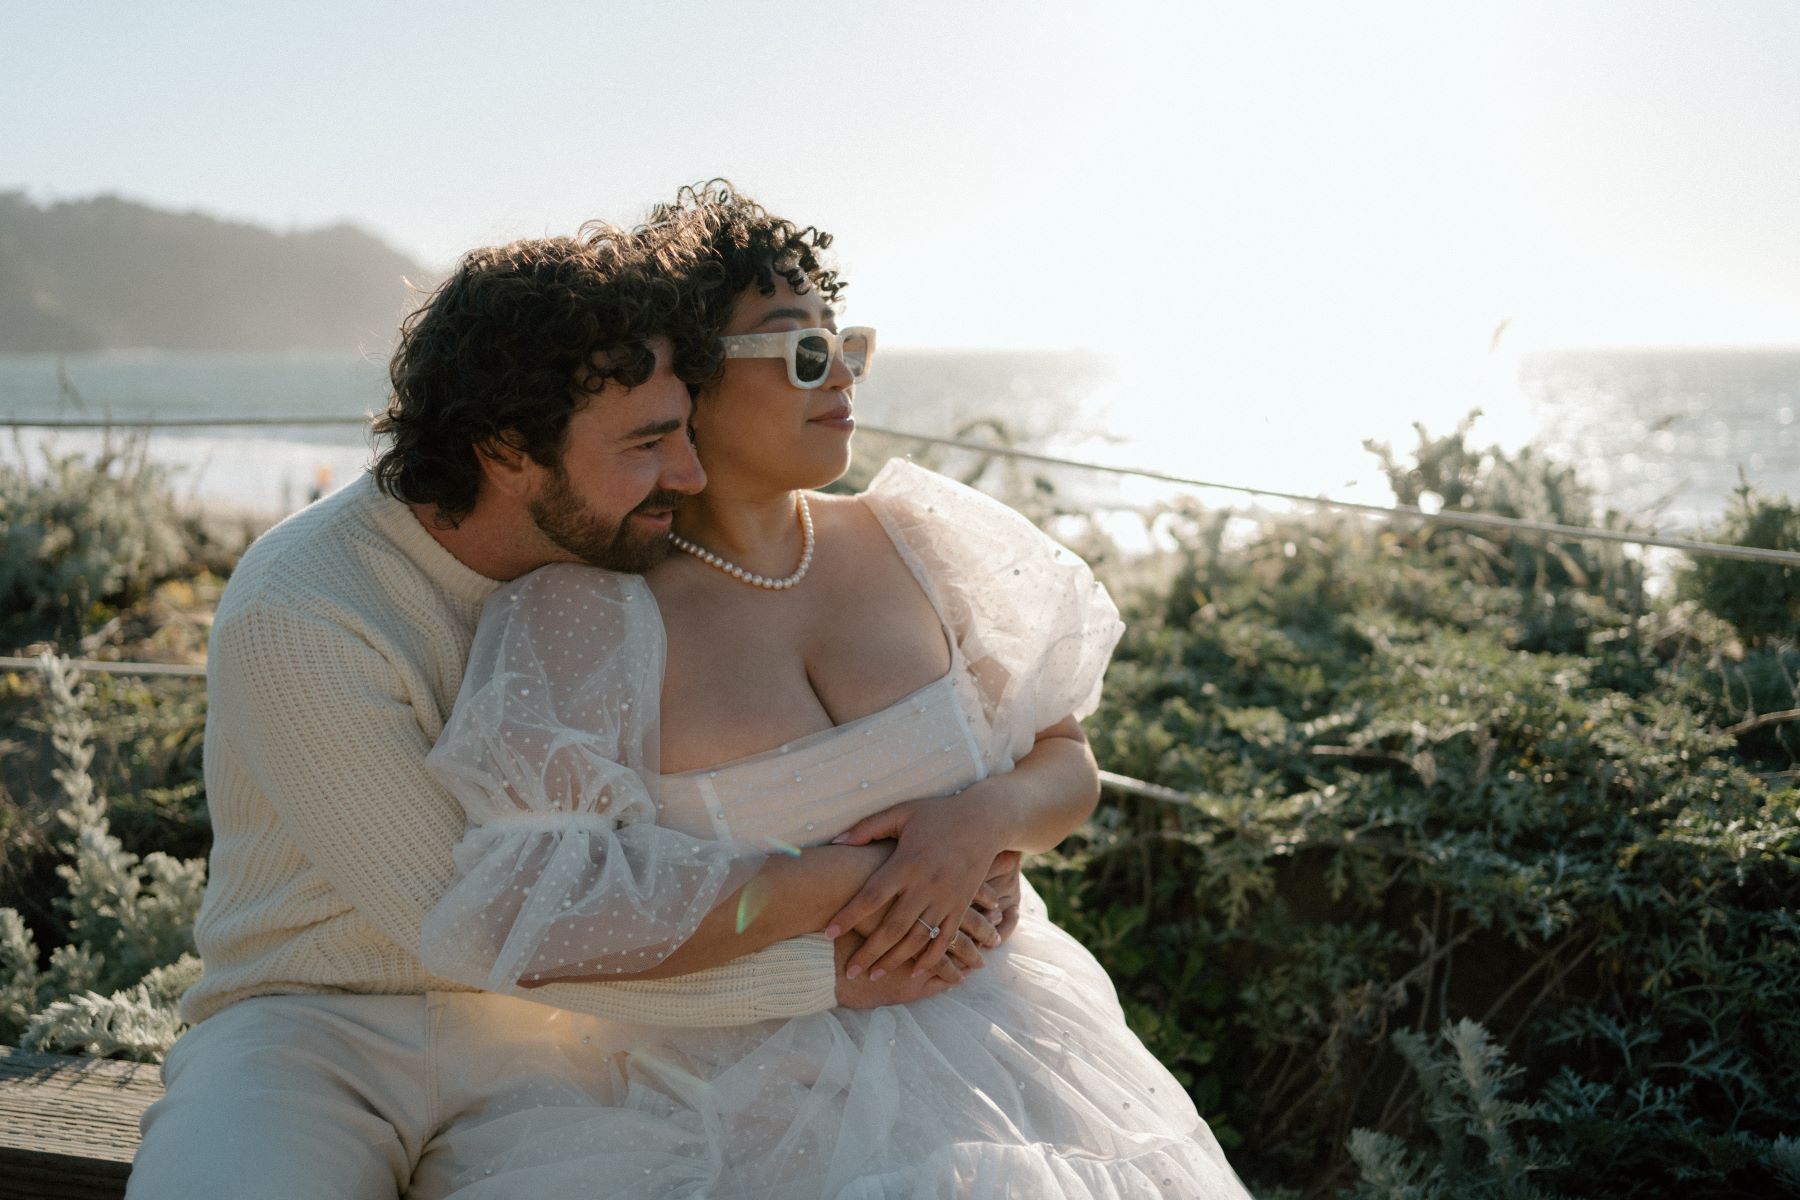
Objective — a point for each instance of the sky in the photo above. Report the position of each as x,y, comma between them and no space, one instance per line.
1275,198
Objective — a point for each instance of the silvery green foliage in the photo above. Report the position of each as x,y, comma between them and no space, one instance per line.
1784,1156
74,969
1478,1155
79,532
21,981
112,990
136,1022
1391,1173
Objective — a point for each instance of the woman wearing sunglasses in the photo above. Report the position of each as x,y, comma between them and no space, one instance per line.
895,676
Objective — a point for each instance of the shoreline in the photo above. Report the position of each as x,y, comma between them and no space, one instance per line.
228,478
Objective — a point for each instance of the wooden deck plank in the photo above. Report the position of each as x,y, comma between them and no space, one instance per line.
69,1126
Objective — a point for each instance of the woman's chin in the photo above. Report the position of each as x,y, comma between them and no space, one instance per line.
817,468
838,468
821,470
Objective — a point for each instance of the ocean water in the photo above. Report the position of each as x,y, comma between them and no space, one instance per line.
1663,435
1666,436
267,471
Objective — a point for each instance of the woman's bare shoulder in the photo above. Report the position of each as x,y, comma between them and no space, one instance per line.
850,522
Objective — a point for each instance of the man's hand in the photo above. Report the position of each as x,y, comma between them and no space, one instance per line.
902,987
1004,882
898,988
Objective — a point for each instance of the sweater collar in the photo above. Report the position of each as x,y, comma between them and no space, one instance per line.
400,524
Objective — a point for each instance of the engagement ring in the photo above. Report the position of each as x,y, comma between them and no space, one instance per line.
933,930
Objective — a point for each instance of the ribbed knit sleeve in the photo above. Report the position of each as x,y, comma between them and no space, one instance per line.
794,978
323,725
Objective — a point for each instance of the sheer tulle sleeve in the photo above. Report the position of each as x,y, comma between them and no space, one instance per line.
563,869
1035,626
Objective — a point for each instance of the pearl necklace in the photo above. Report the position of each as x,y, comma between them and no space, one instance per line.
750,577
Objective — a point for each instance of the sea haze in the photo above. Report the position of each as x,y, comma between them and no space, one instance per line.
1661,435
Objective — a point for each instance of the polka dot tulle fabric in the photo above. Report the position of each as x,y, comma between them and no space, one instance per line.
565,869
1023,1082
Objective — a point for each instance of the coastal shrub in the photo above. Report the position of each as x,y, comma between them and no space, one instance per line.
146,759
1466,836
1472,880
1761,600
1558,583
82,538
1463,1084
125,950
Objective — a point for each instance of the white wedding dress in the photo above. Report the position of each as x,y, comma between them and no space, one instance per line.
1022,1082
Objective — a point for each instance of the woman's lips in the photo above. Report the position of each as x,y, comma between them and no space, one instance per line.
837,418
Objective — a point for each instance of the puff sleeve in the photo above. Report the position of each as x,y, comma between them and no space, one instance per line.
1033,624
563,869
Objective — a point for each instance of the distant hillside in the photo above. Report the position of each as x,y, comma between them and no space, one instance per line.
107,274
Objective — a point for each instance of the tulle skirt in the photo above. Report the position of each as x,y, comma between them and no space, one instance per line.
1024,1082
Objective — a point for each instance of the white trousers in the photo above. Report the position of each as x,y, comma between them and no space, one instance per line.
343,1097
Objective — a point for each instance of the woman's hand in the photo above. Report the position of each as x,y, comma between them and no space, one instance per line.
947,846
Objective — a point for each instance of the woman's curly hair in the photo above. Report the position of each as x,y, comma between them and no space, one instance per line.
717,243
504,353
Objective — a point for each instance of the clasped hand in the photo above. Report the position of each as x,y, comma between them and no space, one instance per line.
938,876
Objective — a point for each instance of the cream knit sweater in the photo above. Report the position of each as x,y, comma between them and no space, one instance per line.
335,658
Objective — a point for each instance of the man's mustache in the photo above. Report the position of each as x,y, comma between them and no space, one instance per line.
659,499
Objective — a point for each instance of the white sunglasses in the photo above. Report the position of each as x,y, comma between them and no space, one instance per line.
808,351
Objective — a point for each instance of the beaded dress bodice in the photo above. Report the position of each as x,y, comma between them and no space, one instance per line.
809,790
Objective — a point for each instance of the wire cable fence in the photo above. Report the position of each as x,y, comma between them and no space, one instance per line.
1403,512
173,422
106,667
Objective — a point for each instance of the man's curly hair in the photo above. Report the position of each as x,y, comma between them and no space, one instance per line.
508,348
717,244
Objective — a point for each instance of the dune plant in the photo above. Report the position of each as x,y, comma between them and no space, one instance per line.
1464,1084
110,988
82,537
1761,600
1443,781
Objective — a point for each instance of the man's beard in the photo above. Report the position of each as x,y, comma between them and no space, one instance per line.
612,545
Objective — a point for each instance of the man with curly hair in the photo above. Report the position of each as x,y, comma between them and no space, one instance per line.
539,411
540,414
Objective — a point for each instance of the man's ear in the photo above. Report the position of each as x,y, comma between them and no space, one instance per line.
506,467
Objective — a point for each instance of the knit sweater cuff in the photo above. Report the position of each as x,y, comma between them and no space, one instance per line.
794,978
799,977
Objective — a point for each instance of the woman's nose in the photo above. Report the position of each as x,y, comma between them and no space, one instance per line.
838,376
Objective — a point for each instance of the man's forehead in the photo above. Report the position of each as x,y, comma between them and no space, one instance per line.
655,407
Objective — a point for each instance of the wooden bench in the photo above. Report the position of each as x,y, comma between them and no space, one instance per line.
69,1126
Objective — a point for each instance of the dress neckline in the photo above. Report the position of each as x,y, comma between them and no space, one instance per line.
807,740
